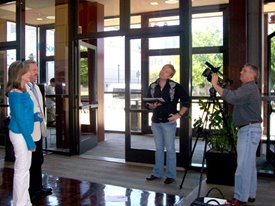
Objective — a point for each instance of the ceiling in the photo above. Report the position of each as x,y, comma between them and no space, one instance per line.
42,9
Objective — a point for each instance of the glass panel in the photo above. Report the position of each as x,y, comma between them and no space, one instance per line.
50,98
271,23
200,84
31,39
50,42
207,29
272,84
7,19
135,22
164,21
98,15
164,42
49,71
6,58
114,84
166,10
11,31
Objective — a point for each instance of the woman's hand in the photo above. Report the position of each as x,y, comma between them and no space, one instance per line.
174,117
40,115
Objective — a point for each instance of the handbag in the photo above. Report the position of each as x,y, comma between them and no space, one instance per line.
210,201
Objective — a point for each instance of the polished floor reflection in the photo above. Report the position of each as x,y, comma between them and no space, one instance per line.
69,192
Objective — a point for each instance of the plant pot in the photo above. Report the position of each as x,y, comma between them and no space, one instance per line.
220,168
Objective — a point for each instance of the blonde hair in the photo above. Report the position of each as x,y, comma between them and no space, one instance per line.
16,70
171,67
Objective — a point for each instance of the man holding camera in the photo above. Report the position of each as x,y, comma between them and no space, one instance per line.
247,118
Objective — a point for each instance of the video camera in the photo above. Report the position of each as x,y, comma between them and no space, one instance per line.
210,70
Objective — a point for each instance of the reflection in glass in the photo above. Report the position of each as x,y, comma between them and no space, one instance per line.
31,38
49,42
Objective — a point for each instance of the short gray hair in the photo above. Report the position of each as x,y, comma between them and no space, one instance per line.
253,68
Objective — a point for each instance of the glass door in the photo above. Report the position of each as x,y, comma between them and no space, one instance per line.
88,103
148,55
270,141
6,58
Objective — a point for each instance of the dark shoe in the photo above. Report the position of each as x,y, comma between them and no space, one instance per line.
169,180
46,191
251,199
152,177
33,198
236,202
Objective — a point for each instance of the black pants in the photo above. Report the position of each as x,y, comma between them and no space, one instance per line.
36,170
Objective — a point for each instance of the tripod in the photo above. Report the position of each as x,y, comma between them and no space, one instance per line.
210,110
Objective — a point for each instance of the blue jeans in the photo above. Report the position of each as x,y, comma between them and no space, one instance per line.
246,172
164,135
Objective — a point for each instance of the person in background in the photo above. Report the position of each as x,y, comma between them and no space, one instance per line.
164,119
247,118
36,187
50,103
22,118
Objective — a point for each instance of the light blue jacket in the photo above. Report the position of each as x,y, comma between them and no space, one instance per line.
22,116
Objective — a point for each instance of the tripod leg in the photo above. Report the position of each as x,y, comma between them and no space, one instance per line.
202,167
190,159
200,134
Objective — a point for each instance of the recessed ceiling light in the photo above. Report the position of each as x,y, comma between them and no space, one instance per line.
154,3
39,19
50,17
171,1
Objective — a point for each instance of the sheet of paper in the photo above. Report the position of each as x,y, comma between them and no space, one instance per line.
115,198
153,99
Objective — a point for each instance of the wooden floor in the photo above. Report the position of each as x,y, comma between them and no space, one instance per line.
69,192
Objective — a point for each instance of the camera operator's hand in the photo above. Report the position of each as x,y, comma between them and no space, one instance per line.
214,81
154,105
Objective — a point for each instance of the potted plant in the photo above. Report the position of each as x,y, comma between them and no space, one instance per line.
217,129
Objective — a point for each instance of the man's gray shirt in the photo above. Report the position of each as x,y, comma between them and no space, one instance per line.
247,103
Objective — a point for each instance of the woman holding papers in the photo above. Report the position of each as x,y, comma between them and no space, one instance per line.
164,119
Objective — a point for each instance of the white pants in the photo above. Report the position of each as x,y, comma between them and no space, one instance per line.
21,177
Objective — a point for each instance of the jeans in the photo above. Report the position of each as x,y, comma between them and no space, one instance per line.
246,172
164,136
21,174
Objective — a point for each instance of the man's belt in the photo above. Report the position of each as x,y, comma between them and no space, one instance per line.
252,122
